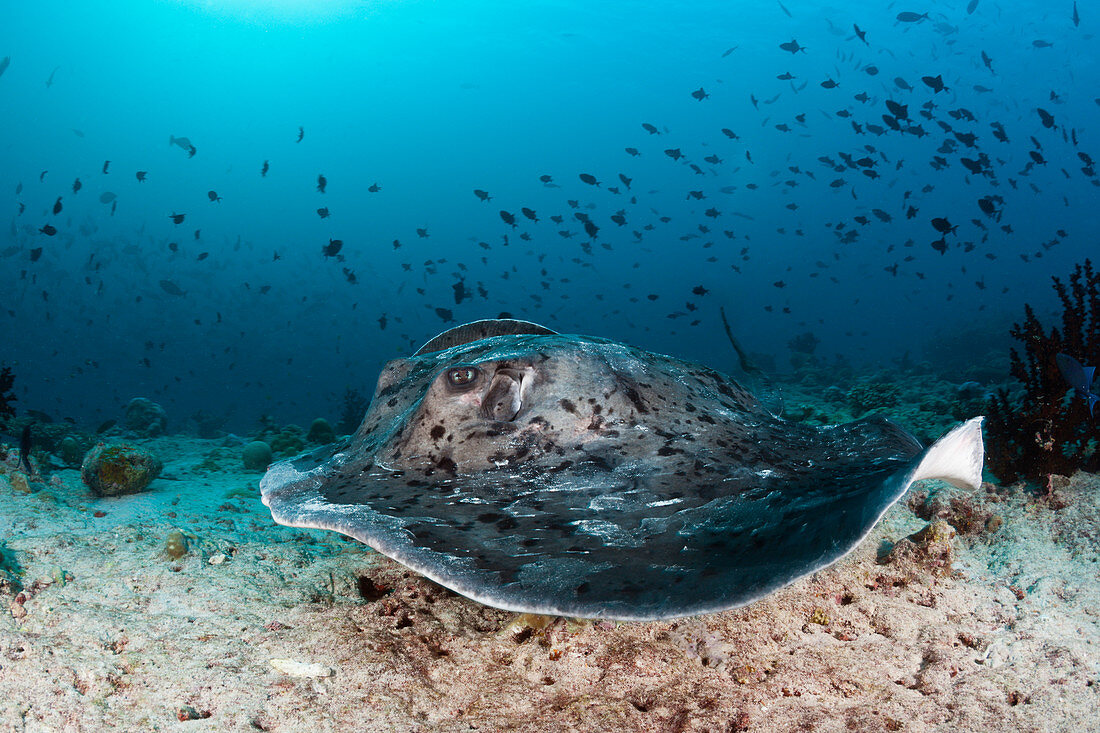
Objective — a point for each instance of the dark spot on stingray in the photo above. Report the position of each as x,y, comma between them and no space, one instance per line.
437,432
568,406
446,464
583,588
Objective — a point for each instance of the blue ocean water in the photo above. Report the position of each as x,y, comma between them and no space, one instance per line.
812,213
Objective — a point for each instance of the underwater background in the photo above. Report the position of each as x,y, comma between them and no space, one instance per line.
894,180
789,201
223,218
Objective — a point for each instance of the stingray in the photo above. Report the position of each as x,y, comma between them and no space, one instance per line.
576,476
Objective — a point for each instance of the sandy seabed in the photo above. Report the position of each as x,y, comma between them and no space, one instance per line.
265,628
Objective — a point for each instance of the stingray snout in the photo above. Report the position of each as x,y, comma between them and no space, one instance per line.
505,396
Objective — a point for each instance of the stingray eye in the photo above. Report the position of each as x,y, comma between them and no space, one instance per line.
462,376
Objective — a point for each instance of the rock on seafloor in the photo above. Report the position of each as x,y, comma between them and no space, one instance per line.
120,468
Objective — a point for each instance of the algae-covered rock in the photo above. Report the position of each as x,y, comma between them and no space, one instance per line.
145,417
256,455
321,432
19,482
113,470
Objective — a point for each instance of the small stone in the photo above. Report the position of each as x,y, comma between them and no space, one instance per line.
186,712
176,545
302,669
217,559
19,482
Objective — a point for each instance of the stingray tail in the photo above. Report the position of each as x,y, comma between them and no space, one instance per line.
956,458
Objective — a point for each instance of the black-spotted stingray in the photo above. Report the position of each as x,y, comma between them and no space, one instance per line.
570,475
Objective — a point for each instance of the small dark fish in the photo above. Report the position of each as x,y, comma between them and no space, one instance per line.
530,214
651,129
445,314
213,196
632,151
105,426
1079,377
792,46
25,449
422,232
626,181
589,179
829,84
730,134
141,176
1046,117
36,253
177,218
106,163
943,226
786,76
860,34
674,153
332,248
508,218
1076,18
264,170
4,62
1042,44
301,134
323,212
57,206
374,188
900,111
322,182
106,197
77,185
546,178
171,288
49,230
910,17
971,7
731,49
700,94
935,83
483,195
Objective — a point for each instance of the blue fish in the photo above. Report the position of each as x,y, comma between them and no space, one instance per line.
1079,377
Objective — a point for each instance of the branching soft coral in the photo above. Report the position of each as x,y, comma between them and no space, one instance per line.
1049,430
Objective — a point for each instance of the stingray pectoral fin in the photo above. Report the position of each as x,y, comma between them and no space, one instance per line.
956,458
